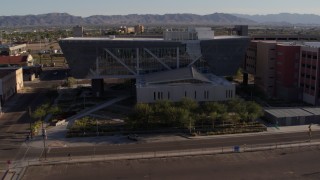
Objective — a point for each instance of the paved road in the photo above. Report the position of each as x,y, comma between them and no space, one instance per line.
14,123
186,145
288,164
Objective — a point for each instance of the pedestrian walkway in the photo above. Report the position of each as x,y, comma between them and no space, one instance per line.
86,112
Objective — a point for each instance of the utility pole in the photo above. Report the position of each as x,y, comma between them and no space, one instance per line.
31,136
310,132
44,136
97,127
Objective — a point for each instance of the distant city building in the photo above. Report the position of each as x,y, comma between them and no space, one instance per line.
139,29
189,34
142,59
285,37
11,81
12,49
77,31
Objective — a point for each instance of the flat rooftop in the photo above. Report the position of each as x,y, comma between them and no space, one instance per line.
137,39
293,112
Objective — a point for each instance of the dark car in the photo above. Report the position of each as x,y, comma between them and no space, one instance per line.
133,137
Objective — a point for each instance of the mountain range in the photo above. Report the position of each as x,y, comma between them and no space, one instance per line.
64,19
307,19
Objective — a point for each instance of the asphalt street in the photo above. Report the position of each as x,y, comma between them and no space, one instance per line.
14,122
284,164
186,145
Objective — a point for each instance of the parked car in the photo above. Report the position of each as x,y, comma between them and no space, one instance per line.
133,137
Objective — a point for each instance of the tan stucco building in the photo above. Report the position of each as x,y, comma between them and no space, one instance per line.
11,81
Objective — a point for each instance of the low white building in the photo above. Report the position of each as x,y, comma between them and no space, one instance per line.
182,83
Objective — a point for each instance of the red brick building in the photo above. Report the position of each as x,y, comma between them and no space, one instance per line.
286,70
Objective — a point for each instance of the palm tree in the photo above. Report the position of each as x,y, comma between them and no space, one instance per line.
51,53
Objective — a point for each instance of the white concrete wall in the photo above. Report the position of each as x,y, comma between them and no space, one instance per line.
176,93
19,79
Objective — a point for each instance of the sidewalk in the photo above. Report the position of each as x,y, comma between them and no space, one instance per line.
56,137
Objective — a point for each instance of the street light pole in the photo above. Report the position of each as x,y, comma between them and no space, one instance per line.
31,134
97,128
44,134
84,101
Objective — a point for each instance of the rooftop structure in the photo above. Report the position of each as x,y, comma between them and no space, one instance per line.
293,116
182,83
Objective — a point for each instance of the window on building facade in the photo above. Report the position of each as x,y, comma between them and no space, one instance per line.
154,96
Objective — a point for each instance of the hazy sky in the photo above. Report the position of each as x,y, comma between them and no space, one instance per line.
121,7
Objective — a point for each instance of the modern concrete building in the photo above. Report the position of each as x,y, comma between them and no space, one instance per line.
183,83
113,57
11,81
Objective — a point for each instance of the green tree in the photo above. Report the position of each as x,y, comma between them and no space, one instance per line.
238,106
188,104
162,110
82,124
71,81
213,117
54,110
51,54
254,110
40,113
186,120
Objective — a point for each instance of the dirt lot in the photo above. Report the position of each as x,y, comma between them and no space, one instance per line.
42,46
